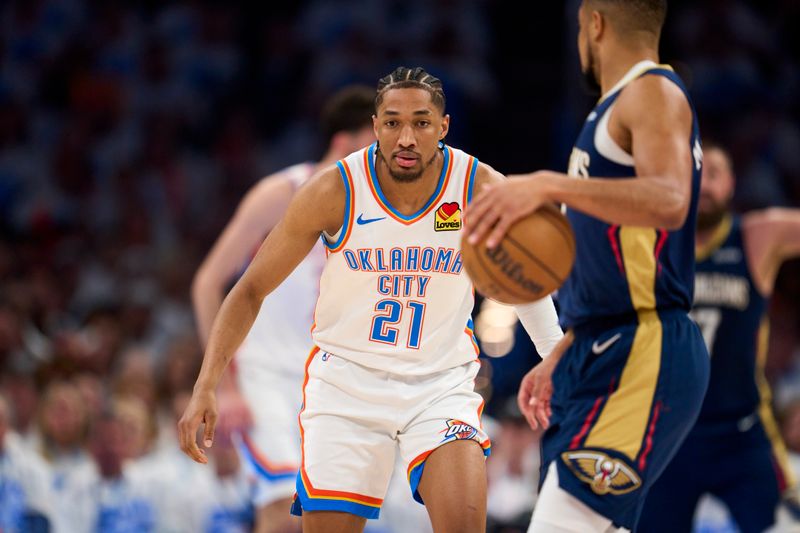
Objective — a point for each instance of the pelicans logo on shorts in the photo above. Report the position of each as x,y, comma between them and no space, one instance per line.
448,217
603,473
458,430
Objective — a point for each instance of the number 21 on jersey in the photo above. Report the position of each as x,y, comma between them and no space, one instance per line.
390,313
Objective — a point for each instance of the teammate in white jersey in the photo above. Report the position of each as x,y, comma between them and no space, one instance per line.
395,361
260,402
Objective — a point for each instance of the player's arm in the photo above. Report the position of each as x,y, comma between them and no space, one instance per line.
653,121
316,207
257,214
540,321
539,318
771,237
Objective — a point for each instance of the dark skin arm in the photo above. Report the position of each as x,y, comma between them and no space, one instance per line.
653,121
318,206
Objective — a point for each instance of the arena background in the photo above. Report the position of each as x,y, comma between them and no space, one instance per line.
130,130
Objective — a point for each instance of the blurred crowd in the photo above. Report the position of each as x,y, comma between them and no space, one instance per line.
128,132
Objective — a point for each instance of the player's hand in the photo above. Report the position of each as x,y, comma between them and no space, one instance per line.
534,395
234,413
202,409
499,205
536,388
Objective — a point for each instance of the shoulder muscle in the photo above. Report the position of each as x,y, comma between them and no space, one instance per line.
321,200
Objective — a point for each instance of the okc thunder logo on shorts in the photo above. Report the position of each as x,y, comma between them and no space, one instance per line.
458,430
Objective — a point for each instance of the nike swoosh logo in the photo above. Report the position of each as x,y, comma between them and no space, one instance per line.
598,348
361,220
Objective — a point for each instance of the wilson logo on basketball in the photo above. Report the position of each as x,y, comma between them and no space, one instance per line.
458,430
448,217
513,270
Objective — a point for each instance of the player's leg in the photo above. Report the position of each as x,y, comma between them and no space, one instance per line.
274,517
558,511
453,487
270,449
332,522
753,495
671,502
444,447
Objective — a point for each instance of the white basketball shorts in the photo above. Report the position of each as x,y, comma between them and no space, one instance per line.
354,418
270,450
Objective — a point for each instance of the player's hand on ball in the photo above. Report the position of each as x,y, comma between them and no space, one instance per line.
498,206
202,409
536,388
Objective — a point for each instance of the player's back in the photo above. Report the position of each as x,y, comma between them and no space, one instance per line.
731,314
622,270
394,295
280,338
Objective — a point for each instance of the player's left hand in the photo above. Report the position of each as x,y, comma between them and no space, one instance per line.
202,409
534,395
499,205
536,388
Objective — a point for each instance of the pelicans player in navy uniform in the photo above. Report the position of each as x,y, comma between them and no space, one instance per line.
734,451
633,368
395,360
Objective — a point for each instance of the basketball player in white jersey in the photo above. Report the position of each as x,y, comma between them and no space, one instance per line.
395,359
261,399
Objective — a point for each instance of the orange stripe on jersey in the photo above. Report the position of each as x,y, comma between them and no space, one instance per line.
469,180
310,490
374,187
471,335
349,208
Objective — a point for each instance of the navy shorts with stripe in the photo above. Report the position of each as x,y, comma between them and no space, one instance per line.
733,461
626,394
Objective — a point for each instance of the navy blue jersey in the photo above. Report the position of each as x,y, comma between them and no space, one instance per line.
731,314
734,451
620,270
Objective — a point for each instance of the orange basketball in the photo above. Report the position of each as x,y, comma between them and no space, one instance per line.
533,259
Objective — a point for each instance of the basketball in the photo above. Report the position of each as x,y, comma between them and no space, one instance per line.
533,259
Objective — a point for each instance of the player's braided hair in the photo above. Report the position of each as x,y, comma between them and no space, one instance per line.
416,78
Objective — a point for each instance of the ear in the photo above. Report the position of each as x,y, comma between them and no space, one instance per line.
375,125
445,127
597,26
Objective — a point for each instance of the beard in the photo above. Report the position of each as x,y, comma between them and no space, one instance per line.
588,77
405,175
710,218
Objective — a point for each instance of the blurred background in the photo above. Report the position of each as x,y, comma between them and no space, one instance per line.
130,130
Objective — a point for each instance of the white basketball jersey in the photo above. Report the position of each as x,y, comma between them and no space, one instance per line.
394,295
280,338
